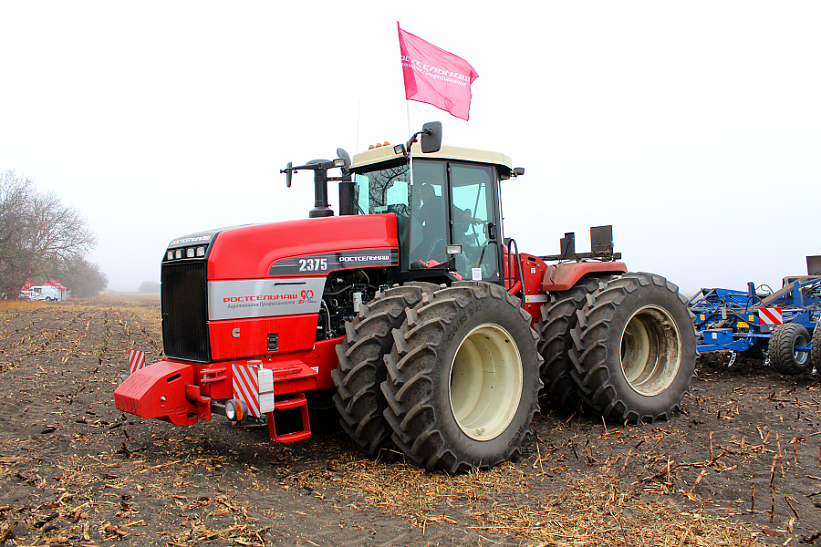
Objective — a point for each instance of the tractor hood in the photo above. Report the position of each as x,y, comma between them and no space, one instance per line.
265,250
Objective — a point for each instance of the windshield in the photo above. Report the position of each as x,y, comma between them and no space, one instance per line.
383,191
387,191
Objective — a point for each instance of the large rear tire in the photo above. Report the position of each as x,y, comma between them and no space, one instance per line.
783,341
558,318
815,352
361,367
463,379
634,349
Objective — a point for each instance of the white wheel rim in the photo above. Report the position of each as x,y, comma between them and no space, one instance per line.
485,382
800,356
650,351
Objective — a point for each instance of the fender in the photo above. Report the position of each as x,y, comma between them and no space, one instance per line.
561,277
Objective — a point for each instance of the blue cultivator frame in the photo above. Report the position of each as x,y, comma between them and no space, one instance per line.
727,319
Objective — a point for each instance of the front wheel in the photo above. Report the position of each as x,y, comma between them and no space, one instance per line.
361,367
634,349
783,356
463,379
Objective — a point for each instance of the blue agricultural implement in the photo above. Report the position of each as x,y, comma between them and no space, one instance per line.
765,324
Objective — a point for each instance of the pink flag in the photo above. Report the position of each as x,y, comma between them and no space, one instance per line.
435,76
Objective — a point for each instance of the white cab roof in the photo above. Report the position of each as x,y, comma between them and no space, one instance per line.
386,153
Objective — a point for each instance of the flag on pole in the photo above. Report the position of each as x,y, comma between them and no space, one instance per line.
435,76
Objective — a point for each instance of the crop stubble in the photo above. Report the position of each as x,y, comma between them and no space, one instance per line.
740,466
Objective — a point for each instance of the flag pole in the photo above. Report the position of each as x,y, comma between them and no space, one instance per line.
407,107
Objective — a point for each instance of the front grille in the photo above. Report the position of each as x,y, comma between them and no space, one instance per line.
185,311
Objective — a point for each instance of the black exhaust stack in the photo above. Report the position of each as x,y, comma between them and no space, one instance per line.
320,168
321,206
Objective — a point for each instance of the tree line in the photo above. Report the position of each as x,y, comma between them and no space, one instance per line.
40,237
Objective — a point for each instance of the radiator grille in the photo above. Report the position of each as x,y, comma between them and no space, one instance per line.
185,311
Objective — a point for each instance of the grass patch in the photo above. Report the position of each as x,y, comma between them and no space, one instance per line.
20,305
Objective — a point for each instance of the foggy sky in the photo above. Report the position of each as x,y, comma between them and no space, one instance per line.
692,127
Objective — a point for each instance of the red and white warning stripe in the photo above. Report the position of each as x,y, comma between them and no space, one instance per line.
136,361
246,386
770,316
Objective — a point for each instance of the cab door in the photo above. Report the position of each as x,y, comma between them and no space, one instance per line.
474,214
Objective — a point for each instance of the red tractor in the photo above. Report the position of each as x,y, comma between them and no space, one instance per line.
427,328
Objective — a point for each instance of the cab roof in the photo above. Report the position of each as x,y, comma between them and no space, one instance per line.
387,153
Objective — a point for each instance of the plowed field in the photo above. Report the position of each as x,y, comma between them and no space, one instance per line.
740,466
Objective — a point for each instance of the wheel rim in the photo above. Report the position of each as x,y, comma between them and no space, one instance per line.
650,351
486,382
800,356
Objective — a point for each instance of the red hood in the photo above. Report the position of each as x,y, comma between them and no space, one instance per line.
248,252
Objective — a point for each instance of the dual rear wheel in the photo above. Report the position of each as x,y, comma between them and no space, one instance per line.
630,347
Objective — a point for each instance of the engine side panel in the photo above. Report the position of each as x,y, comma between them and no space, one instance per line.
242,338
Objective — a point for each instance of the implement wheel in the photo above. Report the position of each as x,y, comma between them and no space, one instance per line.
783,341
361,367
558,318
815,353
463,379
634,349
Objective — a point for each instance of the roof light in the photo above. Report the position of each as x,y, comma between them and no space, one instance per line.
169,255
200,251
189,252
178,253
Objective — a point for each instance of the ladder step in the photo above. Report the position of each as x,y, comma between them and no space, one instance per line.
299,401
293,437
296,402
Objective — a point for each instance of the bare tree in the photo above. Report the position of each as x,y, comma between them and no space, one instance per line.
81,277
36,231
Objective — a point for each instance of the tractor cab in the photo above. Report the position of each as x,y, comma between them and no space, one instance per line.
446,204
445,199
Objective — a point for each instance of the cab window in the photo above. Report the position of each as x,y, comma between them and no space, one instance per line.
472,211
383,191
429,221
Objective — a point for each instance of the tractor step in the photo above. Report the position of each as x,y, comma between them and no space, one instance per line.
293,376
300,402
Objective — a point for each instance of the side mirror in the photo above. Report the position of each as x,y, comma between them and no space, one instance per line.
343,154
431,137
